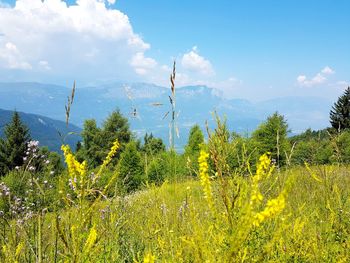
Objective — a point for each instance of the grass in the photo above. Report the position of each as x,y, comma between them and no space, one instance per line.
175,223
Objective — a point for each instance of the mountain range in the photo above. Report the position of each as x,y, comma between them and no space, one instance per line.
146,104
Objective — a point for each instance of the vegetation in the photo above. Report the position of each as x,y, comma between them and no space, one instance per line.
263,198
97,141
13,147
195,140
340,113
271,136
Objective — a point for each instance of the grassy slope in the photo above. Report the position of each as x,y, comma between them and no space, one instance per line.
172,223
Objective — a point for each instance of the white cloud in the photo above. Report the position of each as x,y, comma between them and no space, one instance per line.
327,71
87,39
11,57
318,79
301,78
194,62
44,64
141,64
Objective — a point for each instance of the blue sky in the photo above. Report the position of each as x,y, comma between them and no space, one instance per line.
244,49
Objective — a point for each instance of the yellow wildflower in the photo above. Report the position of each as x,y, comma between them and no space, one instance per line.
149,258
273,207
91,239
108,159
19,249
74,167
264,169
204,177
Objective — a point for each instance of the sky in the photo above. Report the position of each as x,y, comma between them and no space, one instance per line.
248,49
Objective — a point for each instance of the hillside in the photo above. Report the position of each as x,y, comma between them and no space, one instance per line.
44,129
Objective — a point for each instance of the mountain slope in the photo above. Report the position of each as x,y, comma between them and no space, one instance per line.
44,129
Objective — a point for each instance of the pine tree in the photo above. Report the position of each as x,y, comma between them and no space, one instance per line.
271,136
14,145
192,148
130,168
340,112
97,141
195,139
152,145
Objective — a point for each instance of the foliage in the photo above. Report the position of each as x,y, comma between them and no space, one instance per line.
13,147
313,152
158,169
97,141
130,168
271,136
195,140
343,146
152,145
340,112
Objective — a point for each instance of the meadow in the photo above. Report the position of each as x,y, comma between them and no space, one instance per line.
251,213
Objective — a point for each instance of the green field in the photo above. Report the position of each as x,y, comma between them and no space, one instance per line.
304,217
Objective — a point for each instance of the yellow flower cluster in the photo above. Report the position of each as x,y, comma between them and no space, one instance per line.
204,177
264,169
264,166
90,241
108,159
273,207
111,153
149,258
75,168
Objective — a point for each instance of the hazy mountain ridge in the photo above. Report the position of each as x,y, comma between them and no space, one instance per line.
44,129
194,104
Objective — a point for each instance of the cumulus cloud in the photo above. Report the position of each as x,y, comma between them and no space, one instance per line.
327,71
142,64
319,78
196,63
85,39
12,58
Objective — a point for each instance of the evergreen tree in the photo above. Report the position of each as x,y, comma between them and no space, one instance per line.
195,139
14,145
91,150
130,168
153,145
340,112
116,126
98,141
271,136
